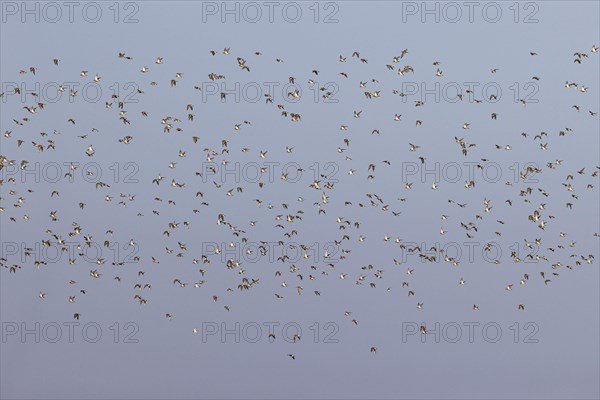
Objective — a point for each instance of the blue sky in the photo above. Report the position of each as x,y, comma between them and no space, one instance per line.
548,350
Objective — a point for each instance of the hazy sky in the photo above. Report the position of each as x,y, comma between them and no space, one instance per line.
548,350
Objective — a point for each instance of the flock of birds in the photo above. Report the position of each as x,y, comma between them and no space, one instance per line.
557,253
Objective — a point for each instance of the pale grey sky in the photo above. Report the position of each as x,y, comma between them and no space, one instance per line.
556,350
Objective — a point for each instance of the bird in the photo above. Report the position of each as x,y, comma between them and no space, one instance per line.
294,191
